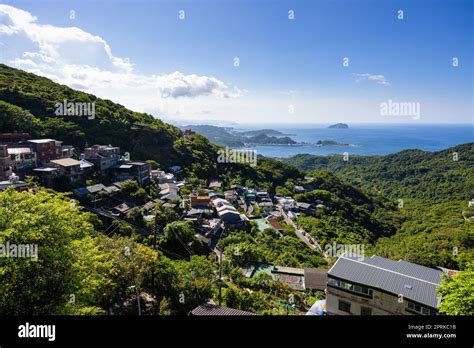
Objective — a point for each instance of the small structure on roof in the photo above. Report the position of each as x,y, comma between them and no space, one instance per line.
214,184
302,206
175,169
299,189
120,209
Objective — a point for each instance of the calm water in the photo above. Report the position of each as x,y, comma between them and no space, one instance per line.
368,139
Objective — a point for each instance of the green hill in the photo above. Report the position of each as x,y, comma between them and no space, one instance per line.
432,190
27,103
409,173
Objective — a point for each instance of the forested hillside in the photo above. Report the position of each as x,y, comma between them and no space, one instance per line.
431,189
27,103
439,176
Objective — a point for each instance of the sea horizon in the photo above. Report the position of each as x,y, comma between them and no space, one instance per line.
364,138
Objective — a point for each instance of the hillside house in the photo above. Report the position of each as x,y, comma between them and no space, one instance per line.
69,168
287,203
102,156
5,163
199,200
139,171
23,159
46,150
375,285
14,139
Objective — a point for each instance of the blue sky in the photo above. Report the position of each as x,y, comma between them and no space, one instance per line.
289,71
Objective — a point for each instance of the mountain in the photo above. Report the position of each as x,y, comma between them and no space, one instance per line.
269,132
263,139
224,137
339,126
410,173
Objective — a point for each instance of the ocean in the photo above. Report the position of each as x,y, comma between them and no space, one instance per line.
367,139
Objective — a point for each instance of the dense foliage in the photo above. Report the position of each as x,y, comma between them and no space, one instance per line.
457,293
431,191
409,174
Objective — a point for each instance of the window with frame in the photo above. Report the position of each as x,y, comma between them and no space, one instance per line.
414,307
365,311
344,306
358,289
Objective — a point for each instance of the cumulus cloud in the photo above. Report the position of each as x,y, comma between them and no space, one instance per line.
72,56
379,79
178,85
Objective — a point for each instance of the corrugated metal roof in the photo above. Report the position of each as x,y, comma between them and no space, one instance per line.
414,282
215,310
408,268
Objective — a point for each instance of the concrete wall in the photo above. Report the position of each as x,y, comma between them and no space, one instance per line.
381,303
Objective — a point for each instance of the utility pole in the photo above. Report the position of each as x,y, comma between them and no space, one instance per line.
138,298
220,276
155,232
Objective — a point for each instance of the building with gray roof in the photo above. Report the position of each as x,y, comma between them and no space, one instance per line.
376,285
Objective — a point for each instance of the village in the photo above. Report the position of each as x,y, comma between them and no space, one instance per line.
129,195
214,207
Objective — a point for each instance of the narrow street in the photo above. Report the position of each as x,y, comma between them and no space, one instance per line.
301,233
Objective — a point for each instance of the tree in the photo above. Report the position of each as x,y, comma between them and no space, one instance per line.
179,235
153,164
197,280
457,293
183,285
49,222
105,268
140,195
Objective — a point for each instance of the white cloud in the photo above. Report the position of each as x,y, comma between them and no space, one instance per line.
72,56
380,79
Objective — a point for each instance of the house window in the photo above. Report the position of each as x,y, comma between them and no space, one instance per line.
358,289
362,290
413,307
365,311
344,306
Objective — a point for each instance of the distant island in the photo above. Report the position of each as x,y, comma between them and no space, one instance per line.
339,126
232,138
330,143
269,132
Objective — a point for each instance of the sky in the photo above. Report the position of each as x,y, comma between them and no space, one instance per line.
259,61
